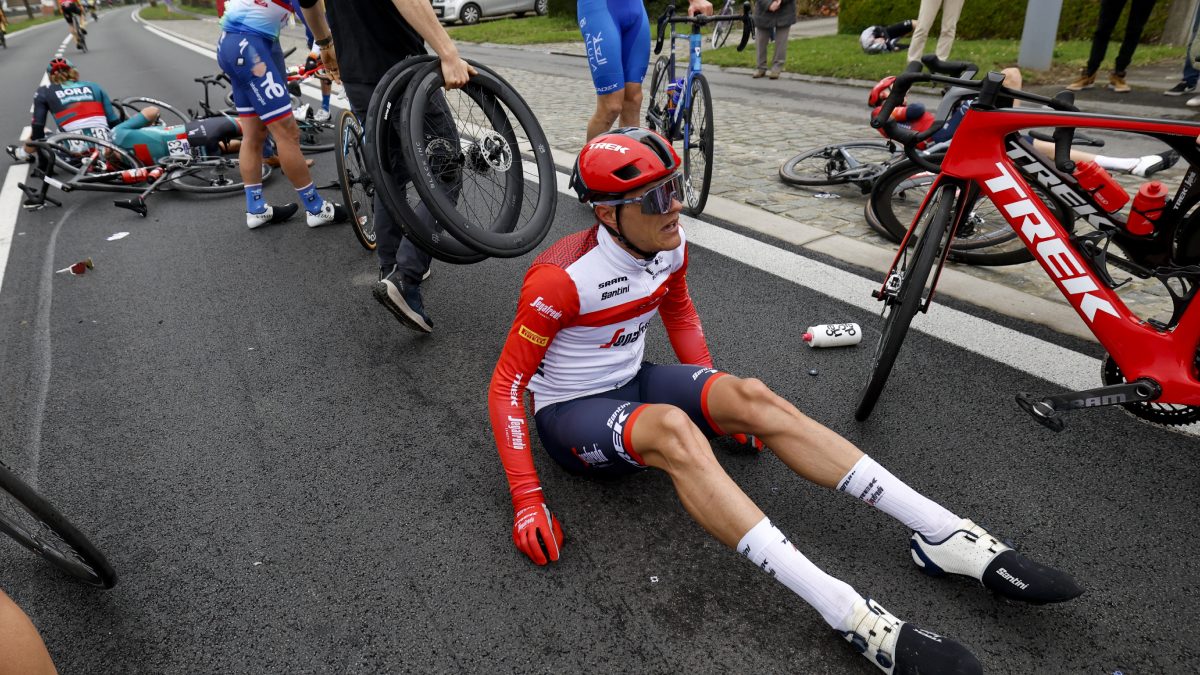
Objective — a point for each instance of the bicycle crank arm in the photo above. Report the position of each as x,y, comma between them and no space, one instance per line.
1048,410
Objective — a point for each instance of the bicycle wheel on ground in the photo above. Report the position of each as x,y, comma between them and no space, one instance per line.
168,115
482,160
215,175
858,162
358,190
34,523
722,29
984,236
656,108
316,135
393,180
907,288
81,155
697,148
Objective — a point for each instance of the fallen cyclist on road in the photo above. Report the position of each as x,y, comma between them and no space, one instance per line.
577,344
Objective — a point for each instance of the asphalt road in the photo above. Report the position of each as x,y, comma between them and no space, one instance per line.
289,481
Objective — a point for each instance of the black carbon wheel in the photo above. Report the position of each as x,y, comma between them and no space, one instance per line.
358,190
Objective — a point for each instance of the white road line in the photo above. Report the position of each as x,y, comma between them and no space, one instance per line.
10,206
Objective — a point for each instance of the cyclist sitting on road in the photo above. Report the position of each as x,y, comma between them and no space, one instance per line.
616,34
248,51
70,8
916,117
577,343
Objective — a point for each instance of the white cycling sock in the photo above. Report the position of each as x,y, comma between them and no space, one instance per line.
876,486
766,547
1117,163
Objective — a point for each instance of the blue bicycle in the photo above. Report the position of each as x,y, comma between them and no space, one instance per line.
681,108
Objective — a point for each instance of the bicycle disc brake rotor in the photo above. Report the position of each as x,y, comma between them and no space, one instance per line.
1169,414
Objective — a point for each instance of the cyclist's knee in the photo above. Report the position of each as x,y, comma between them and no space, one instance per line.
286,129
609,106
667,438
633,96
755,405
150,112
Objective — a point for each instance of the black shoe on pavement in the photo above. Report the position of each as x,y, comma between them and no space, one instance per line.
1180,89
403,300
900,648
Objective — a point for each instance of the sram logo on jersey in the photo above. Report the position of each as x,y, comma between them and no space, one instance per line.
545,309
612,282
539,340
609,146
621,338
1052,251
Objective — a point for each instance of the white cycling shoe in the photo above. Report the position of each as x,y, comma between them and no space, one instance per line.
970,551
273,214
322,115
329,214
900,648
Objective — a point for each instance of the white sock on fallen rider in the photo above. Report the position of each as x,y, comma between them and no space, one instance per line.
1117,163
767,548
876,486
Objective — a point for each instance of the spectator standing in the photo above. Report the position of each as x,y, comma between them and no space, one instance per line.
373,36
773,20
929,9
1110,11
1187,84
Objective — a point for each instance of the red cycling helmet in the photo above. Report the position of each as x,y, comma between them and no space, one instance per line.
877,92
619,162
58,63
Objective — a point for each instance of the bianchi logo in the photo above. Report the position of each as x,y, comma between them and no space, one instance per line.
1015,581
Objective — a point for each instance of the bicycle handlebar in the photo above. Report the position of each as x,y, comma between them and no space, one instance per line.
213,79
701,20
951,68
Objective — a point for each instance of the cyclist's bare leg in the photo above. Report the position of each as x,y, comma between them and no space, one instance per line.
23,649
631,106
608,108
287,144
151,113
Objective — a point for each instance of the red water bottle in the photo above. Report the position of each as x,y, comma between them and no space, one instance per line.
1147,208
1106,191
137,175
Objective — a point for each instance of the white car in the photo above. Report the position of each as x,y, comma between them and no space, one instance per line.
471,11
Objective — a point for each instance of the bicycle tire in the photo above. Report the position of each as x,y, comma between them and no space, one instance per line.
513,149
984,239
722,29
82,39
214,176
382,143
358,190
69,550
656,108
695,197
168,115
839,163
116,157
900,308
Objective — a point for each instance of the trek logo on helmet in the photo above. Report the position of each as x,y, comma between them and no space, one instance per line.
609,146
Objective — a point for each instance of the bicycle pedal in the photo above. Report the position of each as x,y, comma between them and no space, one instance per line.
1041,411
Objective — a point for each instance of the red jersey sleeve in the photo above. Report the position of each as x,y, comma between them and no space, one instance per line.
549,301
682,322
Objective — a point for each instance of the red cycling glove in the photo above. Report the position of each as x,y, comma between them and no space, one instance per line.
752,441
535,530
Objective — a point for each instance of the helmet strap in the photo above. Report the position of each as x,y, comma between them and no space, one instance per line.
620,237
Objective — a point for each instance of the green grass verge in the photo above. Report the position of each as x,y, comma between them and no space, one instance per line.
16,25
194,9
161,13
530,30
840,56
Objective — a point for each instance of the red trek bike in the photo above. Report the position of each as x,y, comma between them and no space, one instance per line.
1151,367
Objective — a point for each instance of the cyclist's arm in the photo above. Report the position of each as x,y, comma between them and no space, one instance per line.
110,113
313,13
682,322
528,339
699,7
419,14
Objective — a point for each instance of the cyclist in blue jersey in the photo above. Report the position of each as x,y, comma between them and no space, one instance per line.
616,34
248,51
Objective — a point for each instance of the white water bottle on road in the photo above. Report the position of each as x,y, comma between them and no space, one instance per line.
833,335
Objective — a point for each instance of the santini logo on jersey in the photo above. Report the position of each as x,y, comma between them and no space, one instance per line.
609,146
539,340
545,309
1054,253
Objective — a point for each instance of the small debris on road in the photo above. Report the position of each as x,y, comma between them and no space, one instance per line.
813,372
78,268
118,235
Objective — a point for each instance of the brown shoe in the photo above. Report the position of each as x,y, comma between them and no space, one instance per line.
273,161
1086,81
759,73
1116,82
774,74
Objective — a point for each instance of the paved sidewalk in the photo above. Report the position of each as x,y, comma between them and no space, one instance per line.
746,170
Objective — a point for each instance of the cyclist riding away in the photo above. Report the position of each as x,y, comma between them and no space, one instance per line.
248,51
71,8
577,344
616,34
916,117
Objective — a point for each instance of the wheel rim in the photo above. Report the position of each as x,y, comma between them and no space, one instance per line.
470,14
359,186
699,136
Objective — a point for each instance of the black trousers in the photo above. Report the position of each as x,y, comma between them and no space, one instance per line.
392,246
1110,11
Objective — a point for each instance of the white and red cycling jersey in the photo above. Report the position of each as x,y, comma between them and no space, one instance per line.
584,311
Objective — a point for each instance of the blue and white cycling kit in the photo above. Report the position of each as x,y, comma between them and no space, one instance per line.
248,51
617,36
